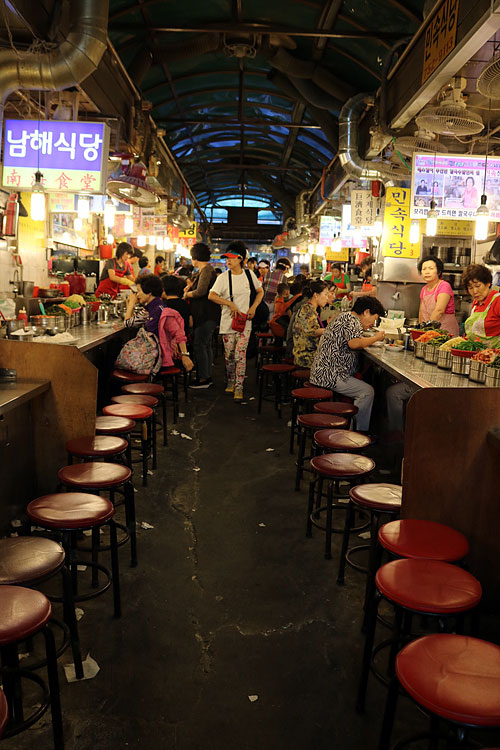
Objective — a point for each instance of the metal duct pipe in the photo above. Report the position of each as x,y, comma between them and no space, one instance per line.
309,70
198,45
299,208
74,60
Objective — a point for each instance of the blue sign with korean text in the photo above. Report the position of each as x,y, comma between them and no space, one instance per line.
72,156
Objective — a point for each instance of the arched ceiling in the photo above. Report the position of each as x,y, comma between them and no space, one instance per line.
248,92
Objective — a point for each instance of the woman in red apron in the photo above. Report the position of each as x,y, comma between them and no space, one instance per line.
117,272
436,297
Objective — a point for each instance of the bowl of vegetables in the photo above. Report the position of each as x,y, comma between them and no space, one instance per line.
467,348
492,379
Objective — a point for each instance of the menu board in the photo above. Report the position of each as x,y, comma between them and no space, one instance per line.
455,182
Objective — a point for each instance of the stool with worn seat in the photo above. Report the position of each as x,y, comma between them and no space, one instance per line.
333,468
453,678
150,389
137,413
340,408
103,477
99,446
430,588
25,612
280,374
125,376
70,513
308,424
142,400
30,561
170,379
303,400
345,441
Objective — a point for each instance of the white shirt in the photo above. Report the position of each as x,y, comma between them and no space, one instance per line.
241,297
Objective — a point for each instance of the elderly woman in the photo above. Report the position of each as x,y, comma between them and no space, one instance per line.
484,319
307,325
436,297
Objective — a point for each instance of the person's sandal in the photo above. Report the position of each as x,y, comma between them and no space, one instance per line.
229,388
238,394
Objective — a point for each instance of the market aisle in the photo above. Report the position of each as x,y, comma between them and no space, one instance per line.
229,601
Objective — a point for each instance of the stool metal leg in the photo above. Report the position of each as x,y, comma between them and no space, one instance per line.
96,543
115,571
389,714
164,412
328,530
293,424
277,393
175,396
367,652
345,543
300,458
260,377
153,437
145,450
71,621
55,698
310,505
130,521
11,682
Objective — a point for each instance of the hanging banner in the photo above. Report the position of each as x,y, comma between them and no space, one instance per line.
397,221
329,229
72,156
440,36
363,208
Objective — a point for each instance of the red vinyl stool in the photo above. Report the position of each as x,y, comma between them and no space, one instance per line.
98,446
138,413
333,468
114,426
455,679
145,400
4,712
69,514
32,560
268,354
170,379
307,424
24,613
124,376
102,477
348,411
261,337
418,539
425,587
303,400
346,441
280,374
301,375
150,389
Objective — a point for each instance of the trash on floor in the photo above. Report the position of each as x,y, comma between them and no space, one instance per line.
253,698
146,525
269,450
175,432
181,414
186,437
90,669
196,468
81,568
262,524
79,612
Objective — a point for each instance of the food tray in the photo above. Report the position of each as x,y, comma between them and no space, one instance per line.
462,353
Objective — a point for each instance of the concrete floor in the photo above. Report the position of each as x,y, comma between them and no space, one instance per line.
229,600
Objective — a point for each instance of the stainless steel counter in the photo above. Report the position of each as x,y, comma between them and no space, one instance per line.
404,366
15,394
92,335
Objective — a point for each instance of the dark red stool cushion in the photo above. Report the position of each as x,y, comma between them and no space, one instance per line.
4,712
302,374
378,496
428,586
131,411
336,407
129,377
315,421
341,440
265,335
311,393
70,510
114,425
427,540
271,349
339,465
26,559
24,613
129,398
277,368
94,475
170,371
454,676
100,445
143,389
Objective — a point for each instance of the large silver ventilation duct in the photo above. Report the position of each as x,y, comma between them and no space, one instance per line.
354,165
74,60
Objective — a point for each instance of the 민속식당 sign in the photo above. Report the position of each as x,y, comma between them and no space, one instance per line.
72,156
440,36
455,182
397,221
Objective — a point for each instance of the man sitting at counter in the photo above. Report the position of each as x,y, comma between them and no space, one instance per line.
484,319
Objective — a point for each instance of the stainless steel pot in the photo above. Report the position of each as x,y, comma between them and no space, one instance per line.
477,371
454,254
27,288
430,353
460,365
444,359
12,324
442,252
492,379
419,349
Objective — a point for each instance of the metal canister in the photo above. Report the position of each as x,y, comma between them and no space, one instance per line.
444,359
477,371
430,353
419,349
460,365
492,379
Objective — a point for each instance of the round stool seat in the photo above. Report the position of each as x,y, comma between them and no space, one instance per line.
265,335
131,411
341,440
277,368
423,540
339,465
428,586
312,393
143,389
26,559
4,712
130,398
94,475
302,374
128,377
170,370
378,496
100,445
24,613
336,407
454,676
114,425
70,510
270,348
316,421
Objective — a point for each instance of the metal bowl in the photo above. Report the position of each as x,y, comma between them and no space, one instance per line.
460,365
444,359
430,353
419,349
477,371
492,379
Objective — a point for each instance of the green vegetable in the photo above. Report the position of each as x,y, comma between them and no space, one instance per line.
438,340
495,363
470,346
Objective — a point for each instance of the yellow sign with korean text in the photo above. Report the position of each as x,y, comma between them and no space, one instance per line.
341,255
189,233
451,228
396,234
440,36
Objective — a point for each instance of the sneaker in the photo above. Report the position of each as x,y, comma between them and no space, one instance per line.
197,385
238,394
230,388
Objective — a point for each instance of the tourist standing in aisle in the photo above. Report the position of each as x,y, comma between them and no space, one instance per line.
272,281
239,294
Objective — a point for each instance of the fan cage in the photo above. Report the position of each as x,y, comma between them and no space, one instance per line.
450,120
488,82
408,144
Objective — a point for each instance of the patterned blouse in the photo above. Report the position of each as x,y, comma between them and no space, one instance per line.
334,359
305,339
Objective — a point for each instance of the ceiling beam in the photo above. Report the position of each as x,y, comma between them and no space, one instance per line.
217,90
220,165
247,121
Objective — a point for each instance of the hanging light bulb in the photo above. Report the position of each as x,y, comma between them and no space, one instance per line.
77,224
128,225
109,213
301,258
159,243
307,258
432,220
83,206
152,240
110,239
482,219
38,199
312,248
167,244
141,240
415,231
295,258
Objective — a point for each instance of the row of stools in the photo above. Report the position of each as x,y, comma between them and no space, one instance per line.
452,677
96,480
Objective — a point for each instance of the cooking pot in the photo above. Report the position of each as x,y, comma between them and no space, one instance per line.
444,359
419,349
27,288
460,365
46,293
492,379
442,252
477,371
430,353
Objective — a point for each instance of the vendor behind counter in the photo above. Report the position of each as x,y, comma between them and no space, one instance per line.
117,272
484,319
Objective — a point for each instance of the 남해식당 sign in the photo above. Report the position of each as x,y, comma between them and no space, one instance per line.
72,156
440,36
396,234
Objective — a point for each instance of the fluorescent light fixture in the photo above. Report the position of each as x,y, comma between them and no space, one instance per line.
77,224
295,258
301,258
110,239
432,221
109,213
141,240
38,199
128,225
152,240
83,206
167,243
482,219
159,243
415,231
307,258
